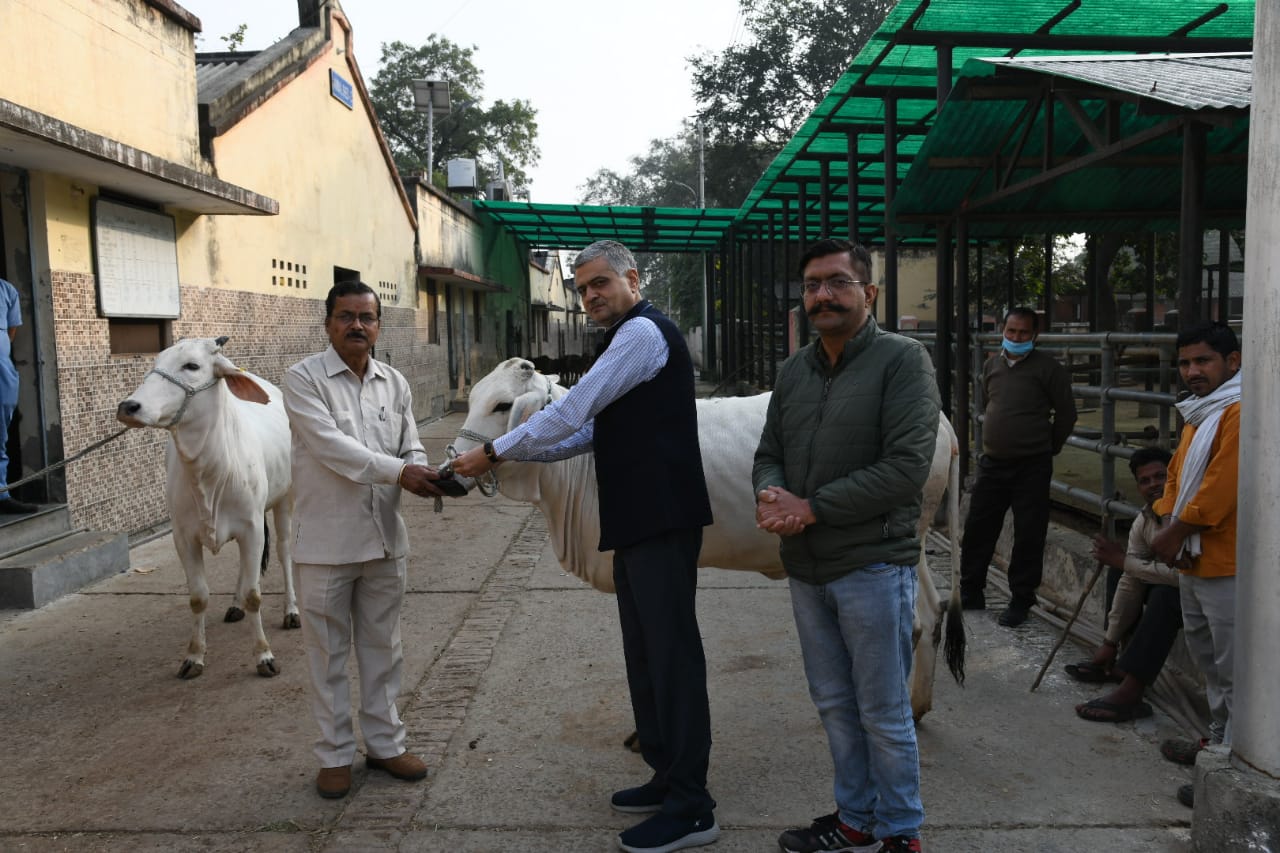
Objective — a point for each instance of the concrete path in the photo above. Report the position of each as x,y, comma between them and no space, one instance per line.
515,695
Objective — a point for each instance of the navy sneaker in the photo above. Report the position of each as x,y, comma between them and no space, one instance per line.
663,833
827,835
643,799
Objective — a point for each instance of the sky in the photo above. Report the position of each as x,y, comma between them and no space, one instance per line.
605,77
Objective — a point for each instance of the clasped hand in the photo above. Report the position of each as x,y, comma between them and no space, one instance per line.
420,480
779,511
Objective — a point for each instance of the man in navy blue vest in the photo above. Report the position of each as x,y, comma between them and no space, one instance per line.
635,409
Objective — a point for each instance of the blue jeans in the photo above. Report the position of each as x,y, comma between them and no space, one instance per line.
855,634
6,415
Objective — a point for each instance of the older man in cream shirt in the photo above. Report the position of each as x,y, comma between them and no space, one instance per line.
355,447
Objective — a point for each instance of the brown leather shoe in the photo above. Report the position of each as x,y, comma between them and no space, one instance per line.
333,783
404,766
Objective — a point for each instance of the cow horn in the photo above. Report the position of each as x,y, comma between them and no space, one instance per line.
222,341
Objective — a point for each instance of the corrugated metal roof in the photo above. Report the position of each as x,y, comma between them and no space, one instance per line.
641,229
900,64
1191,81
1016,151
214,71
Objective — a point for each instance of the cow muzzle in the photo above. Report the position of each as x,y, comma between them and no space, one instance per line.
127,414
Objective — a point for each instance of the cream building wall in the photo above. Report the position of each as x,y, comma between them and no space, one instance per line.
341,204
132,78
119,68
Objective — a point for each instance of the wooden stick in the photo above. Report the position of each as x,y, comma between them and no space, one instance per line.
1066,629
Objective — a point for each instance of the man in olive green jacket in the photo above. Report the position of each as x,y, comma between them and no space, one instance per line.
846,449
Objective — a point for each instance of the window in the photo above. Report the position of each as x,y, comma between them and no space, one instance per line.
129,336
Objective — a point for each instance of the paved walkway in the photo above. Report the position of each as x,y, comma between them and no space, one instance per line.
515,695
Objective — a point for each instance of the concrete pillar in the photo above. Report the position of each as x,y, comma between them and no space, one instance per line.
1238,793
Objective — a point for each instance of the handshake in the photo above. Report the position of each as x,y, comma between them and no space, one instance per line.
427,482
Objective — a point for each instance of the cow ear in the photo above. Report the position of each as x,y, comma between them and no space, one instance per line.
242,385
238,382
553,378
222,341
524,407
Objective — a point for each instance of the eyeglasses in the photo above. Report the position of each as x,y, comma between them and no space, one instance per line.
839,284
346,318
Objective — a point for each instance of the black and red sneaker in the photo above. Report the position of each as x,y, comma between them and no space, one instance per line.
827,835
902,844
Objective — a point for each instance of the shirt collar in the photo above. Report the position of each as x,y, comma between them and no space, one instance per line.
333,365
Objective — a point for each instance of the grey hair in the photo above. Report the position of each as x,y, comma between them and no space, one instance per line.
618,256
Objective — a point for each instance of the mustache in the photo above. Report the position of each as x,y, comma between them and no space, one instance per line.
358,335
835,307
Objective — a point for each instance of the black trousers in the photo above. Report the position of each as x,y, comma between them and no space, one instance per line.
656,581
1154,635
1001,484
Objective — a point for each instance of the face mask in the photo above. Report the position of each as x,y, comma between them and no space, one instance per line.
1018,349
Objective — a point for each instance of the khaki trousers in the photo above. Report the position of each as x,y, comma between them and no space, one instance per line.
339,603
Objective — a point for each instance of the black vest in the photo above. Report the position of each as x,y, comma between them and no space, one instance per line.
648,463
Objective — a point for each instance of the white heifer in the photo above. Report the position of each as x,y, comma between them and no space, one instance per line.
228,463
728,431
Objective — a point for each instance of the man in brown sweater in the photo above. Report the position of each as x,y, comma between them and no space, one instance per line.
1029,415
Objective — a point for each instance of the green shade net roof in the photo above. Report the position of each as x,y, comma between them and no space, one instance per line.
641,229
989,151
899,63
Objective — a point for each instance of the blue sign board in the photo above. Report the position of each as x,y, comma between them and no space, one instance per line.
341,89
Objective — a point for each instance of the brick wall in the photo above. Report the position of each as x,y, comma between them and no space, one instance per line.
121,487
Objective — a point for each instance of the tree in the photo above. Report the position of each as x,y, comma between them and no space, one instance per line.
502,137
665,176
235,38
761,90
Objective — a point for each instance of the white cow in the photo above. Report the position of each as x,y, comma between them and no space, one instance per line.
228,463
728,431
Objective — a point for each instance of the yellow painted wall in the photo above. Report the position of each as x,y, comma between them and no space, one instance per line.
917,276
118,68
339,203
62,206
450,238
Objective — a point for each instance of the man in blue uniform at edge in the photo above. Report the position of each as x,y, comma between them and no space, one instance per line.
635,410
846,449
10,320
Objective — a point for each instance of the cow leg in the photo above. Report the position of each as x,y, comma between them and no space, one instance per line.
249,591
926,634
282,513
191,555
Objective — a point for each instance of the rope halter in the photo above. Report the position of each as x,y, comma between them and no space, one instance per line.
487,483
189,390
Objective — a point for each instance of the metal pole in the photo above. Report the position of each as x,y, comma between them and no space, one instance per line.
431,142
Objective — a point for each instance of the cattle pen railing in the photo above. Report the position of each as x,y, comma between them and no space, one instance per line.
1123,383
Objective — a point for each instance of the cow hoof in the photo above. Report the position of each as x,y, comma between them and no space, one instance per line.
292,620
268,668
190,669
234,614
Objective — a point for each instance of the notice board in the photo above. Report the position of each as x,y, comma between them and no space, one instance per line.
135,254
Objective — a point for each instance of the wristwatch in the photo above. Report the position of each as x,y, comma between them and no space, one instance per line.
488,451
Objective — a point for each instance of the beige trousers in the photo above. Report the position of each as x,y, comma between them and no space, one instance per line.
359,601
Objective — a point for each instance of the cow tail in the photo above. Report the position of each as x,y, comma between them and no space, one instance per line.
266,547
954,644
